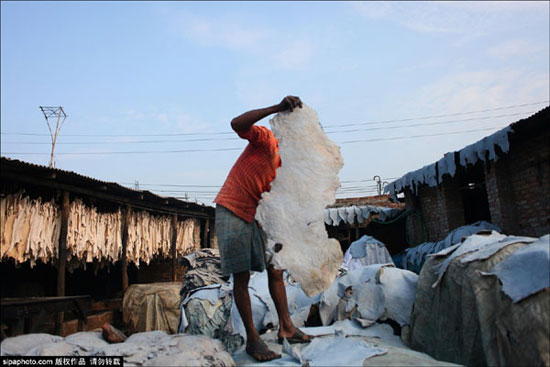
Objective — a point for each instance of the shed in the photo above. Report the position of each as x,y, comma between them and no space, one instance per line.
65,234
348,219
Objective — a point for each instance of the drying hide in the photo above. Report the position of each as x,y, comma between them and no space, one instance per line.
292,213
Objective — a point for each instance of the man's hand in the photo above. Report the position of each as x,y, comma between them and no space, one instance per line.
289,103
247,119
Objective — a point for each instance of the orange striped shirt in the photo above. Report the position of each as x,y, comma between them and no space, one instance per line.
252,174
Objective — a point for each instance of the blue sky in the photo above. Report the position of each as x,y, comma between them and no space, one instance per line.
133,75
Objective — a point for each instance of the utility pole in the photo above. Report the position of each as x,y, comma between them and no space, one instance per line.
52,112
378,181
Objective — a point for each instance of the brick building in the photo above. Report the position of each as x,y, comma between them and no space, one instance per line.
504,178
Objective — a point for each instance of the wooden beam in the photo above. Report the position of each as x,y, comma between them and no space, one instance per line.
124,257
205,230
173,249
62,256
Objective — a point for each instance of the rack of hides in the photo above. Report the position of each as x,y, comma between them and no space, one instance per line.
31,232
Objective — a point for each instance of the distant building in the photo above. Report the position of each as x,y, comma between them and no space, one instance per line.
504,178
349,219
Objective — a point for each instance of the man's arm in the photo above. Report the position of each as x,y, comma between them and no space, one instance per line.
246,120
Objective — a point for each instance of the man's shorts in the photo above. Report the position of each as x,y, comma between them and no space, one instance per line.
241,244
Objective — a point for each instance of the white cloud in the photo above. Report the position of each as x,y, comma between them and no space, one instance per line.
469,18
485,89
278,48
297,54
515,48
222,32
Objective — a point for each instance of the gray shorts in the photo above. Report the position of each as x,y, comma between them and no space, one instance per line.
241,244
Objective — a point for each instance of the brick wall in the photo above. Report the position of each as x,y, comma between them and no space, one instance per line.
518,185
441,209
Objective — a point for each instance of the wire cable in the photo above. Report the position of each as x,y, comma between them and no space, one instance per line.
235,149
325,126
207,139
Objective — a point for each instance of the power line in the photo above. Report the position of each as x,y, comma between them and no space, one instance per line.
429,123
174,185
234,149
218,186
437,116
328,132
416,136
326,126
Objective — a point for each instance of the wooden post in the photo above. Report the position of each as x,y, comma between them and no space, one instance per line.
124,257
173,250
62,257
204,242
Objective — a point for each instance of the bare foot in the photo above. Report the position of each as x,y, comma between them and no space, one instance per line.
259,350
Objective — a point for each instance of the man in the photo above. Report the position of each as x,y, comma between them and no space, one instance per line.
240,239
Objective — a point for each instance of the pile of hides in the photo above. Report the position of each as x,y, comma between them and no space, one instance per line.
154,306
366,251
485,301
264,313
345,343
370,293
291,213
206,311
30,229
333,216
415,257
154,348
211,310
203,268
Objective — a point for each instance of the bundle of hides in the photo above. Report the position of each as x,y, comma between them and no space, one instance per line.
370,293
415,257
30,229
154,306
366,251
211,310
203,268
154,348
485,301
292,212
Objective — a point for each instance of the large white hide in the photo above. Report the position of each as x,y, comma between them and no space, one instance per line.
292,212
29,229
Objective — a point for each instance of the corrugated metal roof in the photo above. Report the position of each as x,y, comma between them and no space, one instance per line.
34,174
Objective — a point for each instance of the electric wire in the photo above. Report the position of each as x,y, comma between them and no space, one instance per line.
239,149
238,139
326,126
